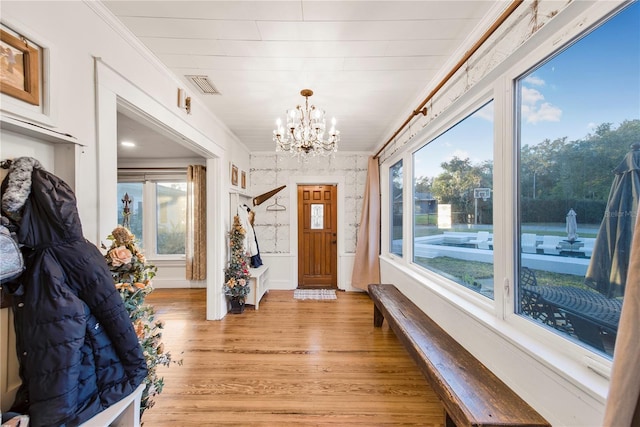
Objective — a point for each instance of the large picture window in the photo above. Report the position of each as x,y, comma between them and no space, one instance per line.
171,210
156,214
578,116
131,202
452,203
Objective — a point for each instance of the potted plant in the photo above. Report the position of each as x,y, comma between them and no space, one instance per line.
236,275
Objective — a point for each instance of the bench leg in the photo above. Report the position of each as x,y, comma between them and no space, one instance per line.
377,316
448,422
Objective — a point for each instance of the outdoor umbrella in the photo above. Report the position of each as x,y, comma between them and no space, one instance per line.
572,226
607,271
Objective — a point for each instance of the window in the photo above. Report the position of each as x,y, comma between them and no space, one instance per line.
577,118
452,203
158,205
171,209
130,197
396,186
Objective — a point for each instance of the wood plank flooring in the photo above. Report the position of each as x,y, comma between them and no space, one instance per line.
292,362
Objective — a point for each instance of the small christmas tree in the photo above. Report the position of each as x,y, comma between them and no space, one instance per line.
236,275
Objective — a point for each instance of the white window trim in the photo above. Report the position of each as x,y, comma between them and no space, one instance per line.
467,105
149,216
577,353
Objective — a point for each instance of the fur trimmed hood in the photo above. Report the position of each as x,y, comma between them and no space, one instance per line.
18,188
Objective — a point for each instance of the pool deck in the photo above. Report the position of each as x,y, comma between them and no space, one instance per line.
453,245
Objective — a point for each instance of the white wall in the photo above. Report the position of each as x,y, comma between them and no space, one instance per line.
16,145
92,66
77,33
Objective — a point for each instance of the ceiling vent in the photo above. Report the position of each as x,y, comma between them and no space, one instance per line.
203,83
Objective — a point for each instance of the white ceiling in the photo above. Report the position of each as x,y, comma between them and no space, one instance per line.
369,63
151,142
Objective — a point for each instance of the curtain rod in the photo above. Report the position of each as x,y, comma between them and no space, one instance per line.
421,108
154,169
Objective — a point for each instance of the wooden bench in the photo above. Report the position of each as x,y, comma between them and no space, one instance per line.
259,285
471,394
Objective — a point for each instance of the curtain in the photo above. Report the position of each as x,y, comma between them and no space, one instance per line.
366,266
623,402
196,245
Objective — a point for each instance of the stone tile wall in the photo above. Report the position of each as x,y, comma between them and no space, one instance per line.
271,170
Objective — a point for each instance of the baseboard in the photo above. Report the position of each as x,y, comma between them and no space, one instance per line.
179,284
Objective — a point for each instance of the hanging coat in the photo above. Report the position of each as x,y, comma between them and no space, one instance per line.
249,243
256,260
76,345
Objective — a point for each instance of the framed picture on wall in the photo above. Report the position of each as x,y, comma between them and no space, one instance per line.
19,68
243,179
234,175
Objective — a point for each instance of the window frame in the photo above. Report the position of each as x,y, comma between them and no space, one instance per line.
473,301
149,206
156,220
579,353
389,181
469,108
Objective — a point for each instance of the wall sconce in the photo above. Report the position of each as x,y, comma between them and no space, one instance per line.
184,101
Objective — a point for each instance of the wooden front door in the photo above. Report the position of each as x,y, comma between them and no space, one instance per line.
317,236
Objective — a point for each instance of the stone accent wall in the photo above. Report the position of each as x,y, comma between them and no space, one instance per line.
270,170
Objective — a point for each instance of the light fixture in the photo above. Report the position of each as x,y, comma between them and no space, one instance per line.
184,101
305,131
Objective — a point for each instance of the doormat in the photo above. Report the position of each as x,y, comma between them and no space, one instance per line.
318,294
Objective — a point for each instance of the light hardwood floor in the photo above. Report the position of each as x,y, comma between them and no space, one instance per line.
290,363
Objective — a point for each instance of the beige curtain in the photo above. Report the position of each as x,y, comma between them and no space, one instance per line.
623,408
196,249
366,266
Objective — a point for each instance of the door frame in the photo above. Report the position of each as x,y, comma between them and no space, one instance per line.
113,91
294,181
332,240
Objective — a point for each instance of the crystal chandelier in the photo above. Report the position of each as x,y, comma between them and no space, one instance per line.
305,131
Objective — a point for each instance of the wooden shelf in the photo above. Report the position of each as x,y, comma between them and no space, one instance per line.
36,131
240,193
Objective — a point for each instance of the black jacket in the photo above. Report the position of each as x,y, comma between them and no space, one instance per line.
76,345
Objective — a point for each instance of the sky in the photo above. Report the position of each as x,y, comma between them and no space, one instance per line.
594,81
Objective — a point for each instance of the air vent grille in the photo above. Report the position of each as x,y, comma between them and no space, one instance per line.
203,83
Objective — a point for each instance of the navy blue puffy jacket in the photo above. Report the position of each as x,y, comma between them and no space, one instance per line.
77,348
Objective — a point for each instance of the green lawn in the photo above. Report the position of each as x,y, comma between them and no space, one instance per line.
472,271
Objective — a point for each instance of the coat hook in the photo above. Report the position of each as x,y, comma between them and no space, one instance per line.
423,112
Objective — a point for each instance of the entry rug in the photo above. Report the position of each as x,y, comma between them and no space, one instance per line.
319,294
